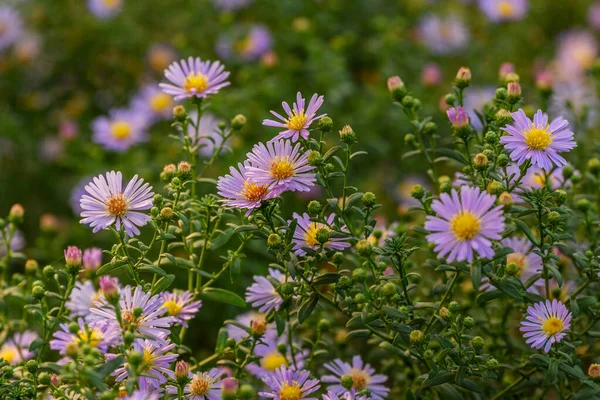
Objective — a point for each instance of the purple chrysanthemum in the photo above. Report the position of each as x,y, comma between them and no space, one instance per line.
153,102
263,294
237,333
305,235
82,299
16,349
249,44
280,166
241,192
92,258
298,118
466,223
106,203
458,117
180,306
288,384
194,78
121,129
503,10
203,386
363,377
11,26
545,323
529,263
151,323
105,9
537,141
155,364
351,395
271,358
444,35
100,335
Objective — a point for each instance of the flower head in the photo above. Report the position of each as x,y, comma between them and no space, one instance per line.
16,349
545,323
528,262
363,377
155,365
298,118
105,9
286,384
466,223
263,294
194,78
100,335
92,258
154,102
180,306
247,44
73,255
122,129
271,357
82,299
307,231
458,117
503,10
106,203
11,26
203,386
577,50
443,35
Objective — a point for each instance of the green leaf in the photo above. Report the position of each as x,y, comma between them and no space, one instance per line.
235,269
307,307
359,333
476,275
327,278
163,284
488,296
441,377
223,296
220,240
106,268
152,269
245,228
523,227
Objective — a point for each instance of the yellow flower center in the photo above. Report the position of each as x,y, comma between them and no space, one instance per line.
584,56
196,83
120,130
538,138
111,3
520,259
290,391
147,360
200,385
116,205
360,379
92,338
552,326
282,168
173,308
160,102
465,225
273,361
506,9
253,191
9,353
245,45
296,121
310,237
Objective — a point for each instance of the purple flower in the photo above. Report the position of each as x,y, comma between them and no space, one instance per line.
209,134
466,223
149,322
280,166
251,45
11,26
100,335
82,299
363,377
545,323
241,192
577,51
537,141
204,386
443,35
351,395
17,242
232,5
475,100
263,294
105,9
152,101
298,118
271,358
109,286
107,204
537,177
194,78
180,306
73,255
528,262
458,117
237,333
575,100
76,193
92,258
155,363
594,16
305,235
288,384
16,349
503,10
122,129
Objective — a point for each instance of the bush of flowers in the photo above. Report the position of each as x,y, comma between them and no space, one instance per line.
278,273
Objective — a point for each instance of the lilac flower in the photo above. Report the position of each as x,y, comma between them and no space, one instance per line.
298,118
241,192
466,223
443,34
537,141
82,299
107,204
503,10
475,100
160,56
155,363
363,377
594,16
203,386
152,101
280,166
252,45
105,9
528,262
458,117
263,294
100,335
11,26
232,5
381,232
351,395
194,78
149,323
122,129
271,358
92,258
577,51
237,333
536,178
575,100
545,323
16,349
287,384
73,255
305,235
209,135
17,242
180,306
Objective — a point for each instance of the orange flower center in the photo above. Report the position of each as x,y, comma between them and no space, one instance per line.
253,191
282,168
116,205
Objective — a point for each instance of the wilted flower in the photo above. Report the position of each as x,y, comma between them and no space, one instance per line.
363,377
503,10
306,235
546,323
288,384
298,118
122,129
194,78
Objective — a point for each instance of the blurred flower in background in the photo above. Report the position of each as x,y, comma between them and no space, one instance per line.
444,34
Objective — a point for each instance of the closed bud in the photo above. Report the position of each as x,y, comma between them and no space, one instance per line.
454,307
287,289
48,271
463,78
315,158
73,327
583,205
594,166
416,336
72,349
505,199
444,312
338,258
501,94
314,208
477,342
503,117
594,371
184,168
322,235
179,113
495,187
182,371
154,211
364,248
32,366
505,69
38,292
347,135
324,325
388,289
238,122
109,287
175,182
544,82
492,364
417,192
408,101
135,358
168,172
16,214
325,124
359,274
229,387
409,138
166,213
347,382
55,380
502,160
512,77
274,240
369,199
430,128
258,327
446,187
450,99
73,258
31,266
561,196
246,392
468,322
568,171
44,378
480,161
514,92
554,217
491,137
396,88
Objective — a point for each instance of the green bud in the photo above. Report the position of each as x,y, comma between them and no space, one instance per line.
73,327
501,94
134,357
345,282
568,171
347,135
287,289
154,211
360,298
502,160
32,366
274,240
491,137
325,124
44,378
360,274
38,292
246,392
322,235
583,205
495,187
468,322
512,268
416,336
369,199
238,122
408,101
338,258
430,128
594,166
166,213
454,307
315,158
477,343
417,192
314,208
446,187
554,217
480,161
324,325
409,138
450,99
492,364
364,248
48,271
31,266
561,196
388,289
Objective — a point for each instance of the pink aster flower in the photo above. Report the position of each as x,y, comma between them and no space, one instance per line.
458,117
466,223
11,26
443,35
153,102
105,9
92,258
503,10
285,384
106,203
363,377
545,323
263,294
16,349
298,118
180,306
305,235
194,78
537,141
280,166
100,335
122,129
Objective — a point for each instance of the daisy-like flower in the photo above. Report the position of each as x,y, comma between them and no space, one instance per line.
100,335
298,118
545,323
575,100
286,384
155,363
577,51
180,306
106,203
444,35
271,358
237,333
247,44
160,56
503,10
209,135
105,9
11,26
92,258
459,118
280,165
16,349
305,235
537,141
149,322
263,294
82,299
351,395
17,242
466,223
232,5
194,78
152,101
241,192
537,178
203,386
122,129
528,262
363,377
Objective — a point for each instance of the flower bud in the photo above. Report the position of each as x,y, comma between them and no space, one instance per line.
396,88
554,217
347,135
48,271
166,213
314,208
92,258
501,94
322,235
229,387
459,118
544,82
492,364
369,199
258,327
73,257
274,240
44,378
409,138
246,392
109,287
430,128
444,312
450,99
477,342
179,113
338,258
416,336
388,289
583,205
480,161
593,165
55,380
347,382
38,292
16,214
502,160
32,366
182,371
454,307
417,192
514,92
49,223
468,322
463,78
495,187
324,325
359,274
512,77
505,69
184,169
238,122
168,172
561,196
594,371
325,124
31,266
72,349
364,248
491,138
315,158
